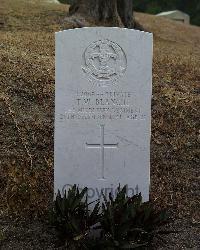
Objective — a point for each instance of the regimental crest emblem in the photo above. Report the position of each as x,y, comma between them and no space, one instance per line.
104,62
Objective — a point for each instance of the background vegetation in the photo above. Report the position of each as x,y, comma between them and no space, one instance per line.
191,7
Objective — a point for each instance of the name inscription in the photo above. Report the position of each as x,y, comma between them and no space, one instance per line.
103,105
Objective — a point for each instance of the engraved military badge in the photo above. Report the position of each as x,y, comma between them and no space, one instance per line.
104,62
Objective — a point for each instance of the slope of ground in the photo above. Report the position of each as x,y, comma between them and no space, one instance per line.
27,114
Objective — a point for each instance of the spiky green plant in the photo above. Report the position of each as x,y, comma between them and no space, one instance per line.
2,236
72,218
127,222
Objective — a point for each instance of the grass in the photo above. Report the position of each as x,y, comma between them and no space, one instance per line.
27,109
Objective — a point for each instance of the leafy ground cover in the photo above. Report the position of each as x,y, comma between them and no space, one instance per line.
27,114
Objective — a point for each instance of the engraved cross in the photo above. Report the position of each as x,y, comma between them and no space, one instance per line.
102,146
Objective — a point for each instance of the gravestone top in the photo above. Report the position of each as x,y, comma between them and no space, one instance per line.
103,110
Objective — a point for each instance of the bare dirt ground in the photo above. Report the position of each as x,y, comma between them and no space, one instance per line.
27,114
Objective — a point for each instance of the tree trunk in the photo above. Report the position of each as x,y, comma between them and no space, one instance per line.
125,10
105,12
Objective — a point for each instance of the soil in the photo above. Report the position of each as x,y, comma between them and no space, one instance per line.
27,115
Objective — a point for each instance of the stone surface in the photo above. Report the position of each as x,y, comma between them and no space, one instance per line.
103,110
176,15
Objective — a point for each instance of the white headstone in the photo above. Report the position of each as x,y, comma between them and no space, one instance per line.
103,110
